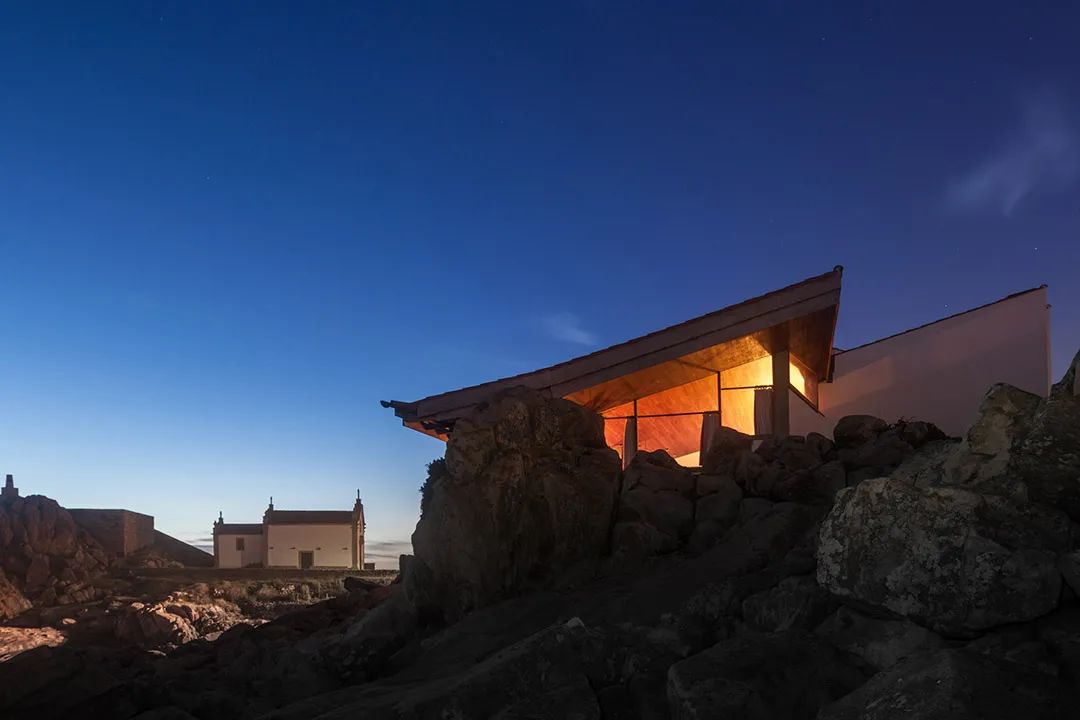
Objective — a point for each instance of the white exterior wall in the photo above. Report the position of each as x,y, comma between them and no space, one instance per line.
940,372
332,544
229,557
803,419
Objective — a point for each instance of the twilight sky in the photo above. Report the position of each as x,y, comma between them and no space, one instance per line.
227,230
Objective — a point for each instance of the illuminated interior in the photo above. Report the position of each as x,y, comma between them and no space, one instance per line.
671,419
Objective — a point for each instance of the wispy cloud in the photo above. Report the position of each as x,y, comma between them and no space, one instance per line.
1043,155
567,327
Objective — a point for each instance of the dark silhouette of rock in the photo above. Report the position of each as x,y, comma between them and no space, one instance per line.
656,508
893,573
855,430
528,493
723,448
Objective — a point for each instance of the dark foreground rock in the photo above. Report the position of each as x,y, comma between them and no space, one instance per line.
525,497
889,572
956,560
760,678
955,685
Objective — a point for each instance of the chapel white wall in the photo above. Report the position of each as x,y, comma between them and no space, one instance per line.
803,419
330,543
229,557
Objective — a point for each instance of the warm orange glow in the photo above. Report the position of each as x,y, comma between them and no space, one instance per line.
690,459
798,380
737,406
662,424
751,374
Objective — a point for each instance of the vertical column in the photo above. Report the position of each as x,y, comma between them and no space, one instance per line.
781,378
720,397
710,423
355,545
629,448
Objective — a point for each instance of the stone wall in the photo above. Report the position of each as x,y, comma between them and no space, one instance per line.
119,532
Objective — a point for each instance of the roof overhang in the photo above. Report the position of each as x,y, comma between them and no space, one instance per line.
801,317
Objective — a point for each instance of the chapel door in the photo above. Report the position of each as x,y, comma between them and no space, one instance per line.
307,559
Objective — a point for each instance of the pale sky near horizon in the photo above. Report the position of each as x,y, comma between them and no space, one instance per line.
227,230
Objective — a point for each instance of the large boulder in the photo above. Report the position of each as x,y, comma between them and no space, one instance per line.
955,685
526,494
955,560
45,554
724,446
981,460
855,430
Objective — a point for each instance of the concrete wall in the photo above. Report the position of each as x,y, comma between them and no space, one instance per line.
181,551
332,544
230,557
941,371
120,532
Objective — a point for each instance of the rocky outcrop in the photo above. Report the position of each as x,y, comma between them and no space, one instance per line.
45,555
887,572
527,494
175,620
245,672
956,560
16,640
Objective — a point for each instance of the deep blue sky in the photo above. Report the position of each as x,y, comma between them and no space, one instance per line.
227,230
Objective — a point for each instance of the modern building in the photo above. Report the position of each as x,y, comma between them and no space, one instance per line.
768,366
303,539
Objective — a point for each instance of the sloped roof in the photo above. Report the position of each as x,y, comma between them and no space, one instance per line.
744,330
238,528
1013,296
309,517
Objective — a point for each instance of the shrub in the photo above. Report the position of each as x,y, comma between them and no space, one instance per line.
436,470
